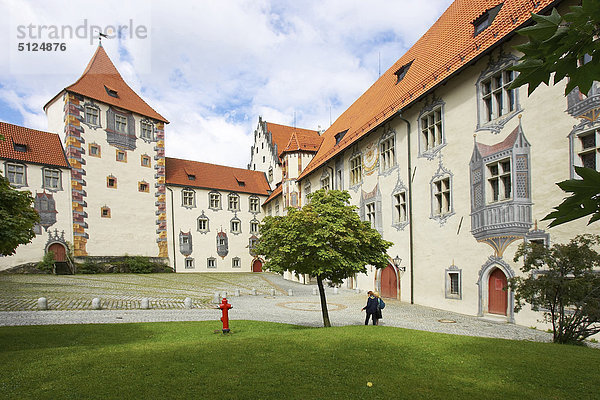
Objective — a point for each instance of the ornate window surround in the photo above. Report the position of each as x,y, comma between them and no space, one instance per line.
210,206
440,174
188,190
388,134
59,185
203,217
230,196
356,154
254,197
501,64
399,188
453,269
91,104
431,153
582,128
18,164
239,225
152,133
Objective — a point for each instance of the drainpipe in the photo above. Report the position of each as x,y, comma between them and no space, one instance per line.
173,230
410,213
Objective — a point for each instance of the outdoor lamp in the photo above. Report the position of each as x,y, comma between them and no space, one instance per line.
397,261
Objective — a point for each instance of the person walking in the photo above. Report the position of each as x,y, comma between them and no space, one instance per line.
371,308
379,306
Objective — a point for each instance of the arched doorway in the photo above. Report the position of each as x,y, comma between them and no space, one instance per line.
497,296
60,253
389,282
257,265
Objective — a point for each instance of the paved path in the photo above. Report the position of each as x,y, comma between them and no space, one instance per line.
302,308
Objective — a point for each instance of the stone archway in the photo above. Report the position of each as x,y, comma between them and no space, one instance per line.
495,272
388,282
257,265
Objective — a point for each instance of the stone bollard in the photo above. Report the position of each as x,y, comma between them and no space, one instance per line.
273,292
335,290
42,303
187,303
290,292
236,293
145,303
216,298
315,291
253,291
96,304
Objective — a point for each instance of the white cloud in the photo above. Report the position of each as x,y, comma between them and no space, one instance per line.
212,67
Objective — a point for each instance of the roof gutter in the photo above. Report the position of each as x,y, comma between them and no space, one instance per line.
410,209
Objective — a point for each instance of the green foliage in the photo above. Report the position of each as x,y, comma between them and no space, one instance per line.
585,198
556,46
136,361
561,282
137,265
90,266
325,239
17,218
126,264
47,263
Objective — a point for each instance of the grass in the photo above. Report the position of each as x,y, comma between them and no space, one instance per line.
262,360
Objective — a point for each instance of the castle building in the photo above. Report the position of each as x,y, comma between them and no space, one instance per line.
455,167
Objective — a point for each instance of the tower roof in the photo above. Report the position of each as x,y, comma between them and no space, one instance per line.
303,140
102,81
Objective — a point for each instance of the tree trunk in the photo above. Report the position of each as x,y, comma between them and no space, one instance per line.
326,322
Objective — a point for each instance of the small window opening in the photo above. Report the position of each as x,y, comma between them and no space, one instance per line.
111,92
339,136
401,72
486,19
191,177
20,147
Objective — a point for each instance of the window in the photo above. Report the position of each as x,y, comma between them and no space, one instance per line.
51,179
270,174
589,149
121,155
441,193
235,226
497,99
214,201
485,20
453,283
234,202
143,187
401,72
16,174
400,207
307,188
211,262
189,263
105,212
111,92
499,180
145,161
120,123
236,263
371,214
188,198
22,148
325,182
269,210
277,209
263,158
386,149
254,204
203,224
431,129
355,169
339,136
94,150
111,182
146,130
254,227
91,115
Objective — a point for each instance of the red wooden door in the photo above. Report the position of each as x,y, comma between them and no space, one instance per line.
498,297
389,283
59,252
257,266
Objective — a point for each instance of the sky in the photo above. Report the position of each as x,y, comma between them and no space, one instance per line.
210,67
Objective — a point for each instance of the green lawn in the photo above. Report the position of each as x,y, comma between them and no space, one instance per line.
262,360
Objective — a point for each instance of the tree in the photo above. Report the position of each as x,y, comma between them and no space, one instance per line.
566,46
561,283
17,218
325,239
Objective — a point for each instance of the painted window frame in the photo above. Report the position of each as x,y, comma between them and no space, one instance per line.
453,289
236,262
254,226
105,212
98,150
254,204
121,122
499,180
387,151
148,159
189,263
431,128
214,200
18,169
206,222
188,198
355,167
442,175
120,155
45,176
235,225
109,179
91,110
143,187
147,130
211,263
233,202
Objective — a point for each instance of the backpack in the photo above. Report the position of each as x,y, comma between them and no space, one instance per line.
381,304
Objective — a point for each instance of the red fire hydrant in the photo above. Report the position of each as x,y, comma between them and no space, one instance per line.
224,306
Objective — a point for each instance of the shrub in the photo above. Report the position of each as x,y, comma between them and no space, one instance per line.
47,263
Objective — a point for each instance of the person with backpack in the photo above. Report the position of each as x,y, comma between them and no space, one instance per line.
371,308
380,306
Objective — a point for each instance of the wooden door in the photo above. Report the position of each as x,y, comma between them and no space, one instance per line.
59,252
257,266
389,283
498,297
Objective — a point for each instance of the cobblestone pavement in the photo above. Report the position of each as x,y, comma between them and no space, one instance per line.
69,300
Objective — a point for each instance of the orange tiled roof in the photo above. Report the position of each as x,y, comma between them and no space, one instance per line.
281,134
219,177
276,192
308,141
101,75
506,144
40,147
447,47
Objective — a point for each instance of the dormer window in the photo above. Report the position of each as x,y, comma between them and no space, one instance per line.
111,92
20,147
339,136
486,19
240,183
401,72
191,177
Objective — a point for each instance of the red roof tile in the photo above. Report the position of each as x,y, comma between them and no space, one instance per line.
99,77
447,47
40,147
219,177
276,193
281,134
308,141
506,144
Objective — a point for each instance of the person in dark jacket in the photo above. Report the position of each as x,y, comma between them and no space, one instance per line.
371,308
